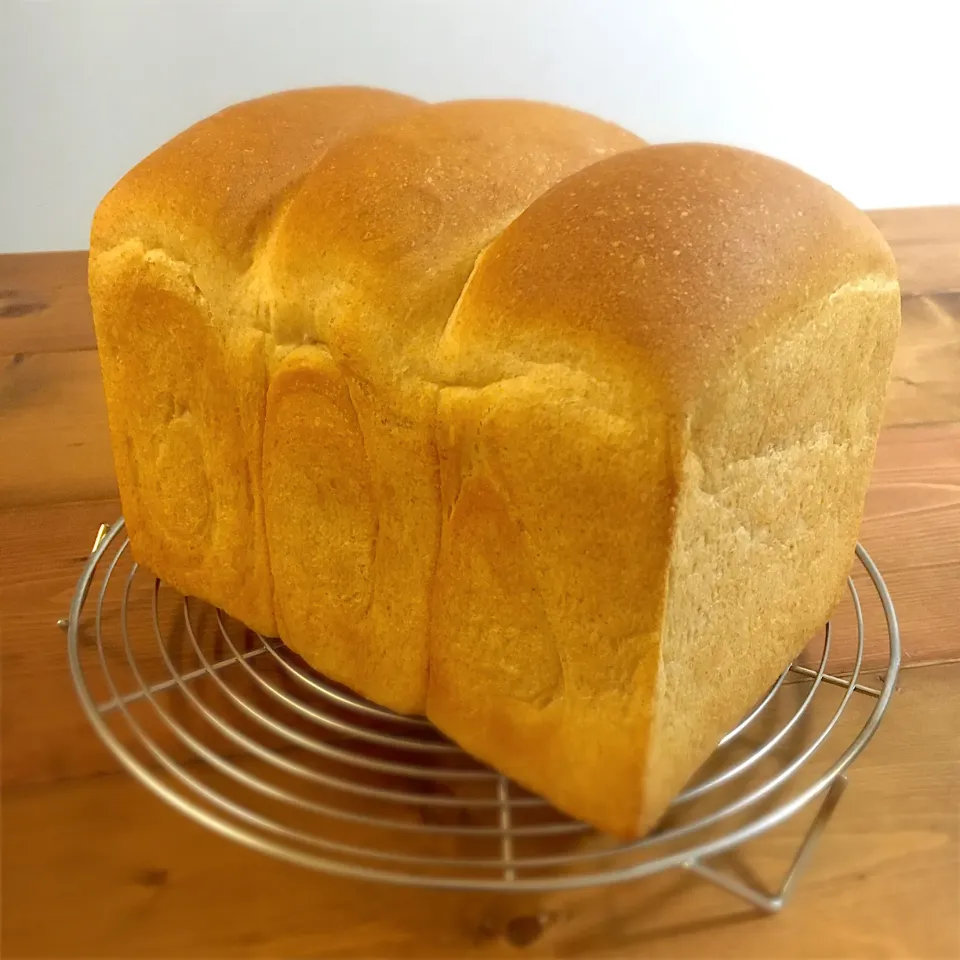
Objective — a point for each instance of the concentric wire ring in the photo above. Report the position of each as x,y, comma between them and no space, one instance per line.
259,748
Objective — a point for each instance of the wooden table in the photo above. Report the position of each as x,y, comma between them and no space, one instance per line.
93,865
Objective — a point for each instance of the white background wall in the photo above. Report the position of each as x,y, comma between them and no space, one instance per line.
865,95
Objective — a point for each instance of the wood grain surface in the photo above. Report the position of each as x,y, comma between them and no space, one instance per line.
99,867
886,888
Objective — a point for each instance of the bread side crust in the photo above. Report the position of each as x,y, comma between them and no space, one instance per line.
767,519
183,353
773,412
185,404
549,587
367,264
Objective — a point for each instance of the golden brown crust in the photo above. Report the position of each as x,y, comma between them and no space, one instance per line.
209,190
679,254
756,359
363,272
547,596
534,488
380,238
185,367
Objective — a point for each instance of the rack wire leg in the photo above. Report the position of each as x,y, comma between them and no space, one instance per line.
760,898
506,824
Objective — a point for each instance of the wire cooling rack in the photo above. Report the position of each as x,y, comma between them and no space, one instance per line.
238,733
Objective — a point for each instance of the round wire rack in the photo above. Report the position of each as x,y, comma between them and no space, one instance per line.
235,731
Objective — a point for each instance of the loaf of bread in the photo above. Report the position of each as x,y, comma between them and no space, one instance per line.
495,414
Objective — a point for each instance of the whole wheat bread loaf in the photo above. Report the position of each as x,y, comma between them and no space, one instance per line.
494,413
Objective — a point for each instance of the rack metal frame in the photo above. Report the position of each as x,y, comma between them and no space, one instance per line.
394,764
